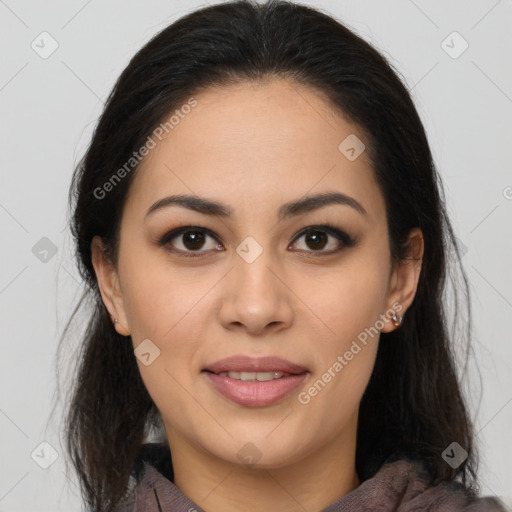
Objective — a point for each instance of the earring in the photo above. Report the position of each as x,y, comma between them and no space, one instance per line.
397,320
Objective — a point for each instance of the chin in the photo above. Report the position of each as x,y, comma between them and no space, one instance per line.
260,452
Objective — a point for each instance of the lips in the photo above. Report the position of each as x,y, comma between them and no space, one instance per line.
254,382
242,363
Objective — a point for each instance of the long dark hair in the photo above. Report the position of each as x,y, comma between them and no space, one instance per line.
413,406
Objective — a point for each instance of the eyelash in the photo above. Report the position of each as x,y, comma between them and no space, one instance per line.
345,239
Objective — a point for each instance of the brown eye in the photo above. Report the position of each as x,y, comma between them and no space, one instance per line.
189,240
316,239
193,240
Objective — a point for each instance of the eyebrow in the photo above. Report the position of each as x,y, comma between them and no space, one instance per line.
291,209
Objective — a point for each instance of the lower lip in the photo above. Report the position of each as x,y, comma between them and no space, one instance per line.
255,394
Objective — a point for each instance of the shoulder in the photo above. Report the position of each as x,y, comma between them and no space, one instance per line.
420,495
151,464
140,489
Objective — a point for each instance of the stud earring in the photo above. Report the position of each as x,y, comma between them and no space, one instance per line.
397,320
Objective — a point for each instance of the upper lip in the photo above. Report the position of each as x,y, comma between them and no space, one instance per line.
242,363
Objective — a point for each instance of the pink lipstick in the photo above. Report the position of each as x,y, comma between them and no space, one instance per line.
255,382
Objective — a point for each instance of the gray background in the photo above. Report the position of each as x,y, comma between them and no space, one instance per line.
48,109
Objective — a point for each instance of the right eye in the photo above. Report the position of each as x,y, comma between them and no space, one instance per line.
191,239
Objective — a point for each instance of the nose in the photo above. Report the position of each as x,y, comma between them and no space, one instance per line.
256,297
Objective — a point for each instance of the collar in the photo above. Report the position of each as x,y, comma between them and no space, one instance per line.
399,486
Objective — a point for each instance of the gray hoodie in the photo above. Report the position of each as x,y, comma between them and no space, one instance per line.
400,486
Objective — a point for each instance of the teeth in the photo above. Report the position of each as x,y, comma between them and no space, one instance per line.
253,376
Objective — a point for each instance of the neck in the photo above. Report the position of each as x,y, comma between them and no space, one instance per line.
312,483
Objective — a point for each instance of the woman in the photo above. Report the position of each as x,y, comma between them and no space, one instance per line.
262,230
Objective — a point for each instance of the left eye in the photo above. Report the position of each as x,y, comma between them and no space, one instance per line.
316,238
192,240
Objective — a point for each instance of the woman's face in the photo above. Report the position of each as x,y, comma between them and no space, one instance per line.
255,279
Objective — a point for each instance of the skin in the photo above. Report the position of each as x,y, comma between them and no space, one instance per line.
253,147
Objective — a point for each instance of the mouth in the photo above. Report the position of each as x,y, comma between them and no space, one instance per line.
249,364
254,376
254,382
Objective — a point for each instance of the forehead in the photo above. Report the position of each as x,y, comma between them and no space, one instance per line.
254,142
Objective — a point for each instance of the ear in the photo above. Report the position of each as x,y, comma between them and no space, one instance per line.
108,282
404,279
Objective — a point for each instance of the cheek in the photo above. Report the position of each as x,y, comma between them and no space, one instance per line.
349,299
350,304
164,307
159,297
167,306
345,359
